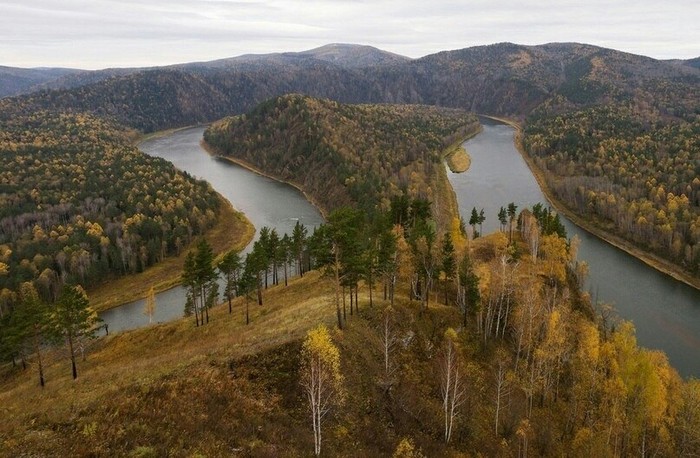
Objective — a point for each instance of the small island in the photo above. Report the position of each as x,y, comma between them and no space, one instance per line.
458,160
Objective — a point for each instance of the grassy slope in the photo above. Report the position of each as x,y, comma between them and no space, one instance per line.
124,376
232,231
228,389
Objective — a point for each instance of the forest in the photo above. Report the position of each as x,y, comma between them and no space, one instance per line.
636,179
342,154
80,204
430,344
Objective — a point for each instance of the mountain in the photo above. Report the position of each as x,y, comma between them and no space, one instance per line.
504,79
16,81
354,56
695,63
340,54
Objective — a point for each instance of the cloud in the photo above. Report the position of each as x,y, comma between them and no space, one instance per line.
101,33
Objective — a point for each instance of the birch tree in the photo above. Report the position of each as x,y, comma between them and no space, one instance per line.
452,385
320,378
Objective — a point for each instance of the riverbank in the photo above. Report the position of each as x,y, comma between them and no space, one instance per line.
232,231
656,262
248,166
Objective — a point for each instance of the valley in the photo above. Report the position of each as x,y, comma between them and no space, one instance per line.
386,262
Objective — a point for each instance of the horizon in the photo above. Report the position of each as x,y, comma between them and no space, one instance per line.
331,44
128,34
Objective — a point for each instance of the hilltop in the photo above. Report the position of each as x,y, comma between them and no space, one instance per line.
503,79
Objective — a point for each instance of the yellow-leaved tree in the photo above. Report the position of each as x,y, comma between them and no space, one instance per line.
320,377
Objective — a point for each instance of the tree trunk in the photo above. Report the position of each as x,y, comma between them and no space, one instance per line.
247,304
38,354
230,310
72,356
344,316
369,283
285,274
357,303
337,290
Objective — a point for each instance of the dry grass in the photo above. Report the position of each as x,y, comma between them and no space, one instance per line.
459,160
140,358
232,231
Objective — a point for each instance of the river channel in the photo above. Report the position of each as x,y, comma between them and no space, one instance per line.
264,201
665,312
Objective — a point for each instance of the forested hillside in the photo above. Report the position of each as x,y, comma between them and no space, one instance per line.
502,79
639,180
345,154
79,203
499,355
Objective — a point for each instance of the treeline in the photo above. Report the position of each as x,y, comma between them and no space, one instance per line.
637,178
79,204
345,154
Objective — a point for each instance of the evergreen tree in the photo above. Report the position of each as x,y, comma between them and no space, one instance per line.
473,221
230,266
512,210
205,275
30,321
449,263
503,218
73,318
298,244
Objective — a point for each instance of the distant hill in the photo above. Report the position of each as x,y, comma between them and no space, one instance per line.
695,63
340,54
503,79
16,81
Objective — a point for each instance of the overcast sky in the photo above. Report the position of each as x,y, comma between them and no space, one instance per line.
109,33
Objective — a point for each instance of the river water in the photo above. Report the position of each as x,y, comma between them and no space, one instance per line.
665,312
264,201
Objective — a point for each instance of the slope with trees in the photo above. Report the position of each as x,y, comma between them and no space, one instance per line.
345,154
78,203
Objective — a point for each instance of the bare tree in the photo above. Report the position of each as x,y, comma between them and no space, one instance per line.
452,384
502,383
389,340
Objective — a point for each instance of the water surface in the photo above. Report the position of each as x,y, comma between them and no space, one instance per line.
665,312
264,201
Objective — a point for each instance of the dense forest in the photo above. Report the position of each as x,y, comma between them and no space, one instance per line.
438,345
345,154
637,176
79,203
503,79
448,346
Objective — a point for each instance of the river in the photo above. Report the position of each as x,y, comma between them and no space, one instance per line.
665,312
264,201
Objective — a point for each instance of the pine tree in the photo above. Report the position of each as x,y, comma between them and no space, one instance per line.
230,266
298,244
449,263
73,318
